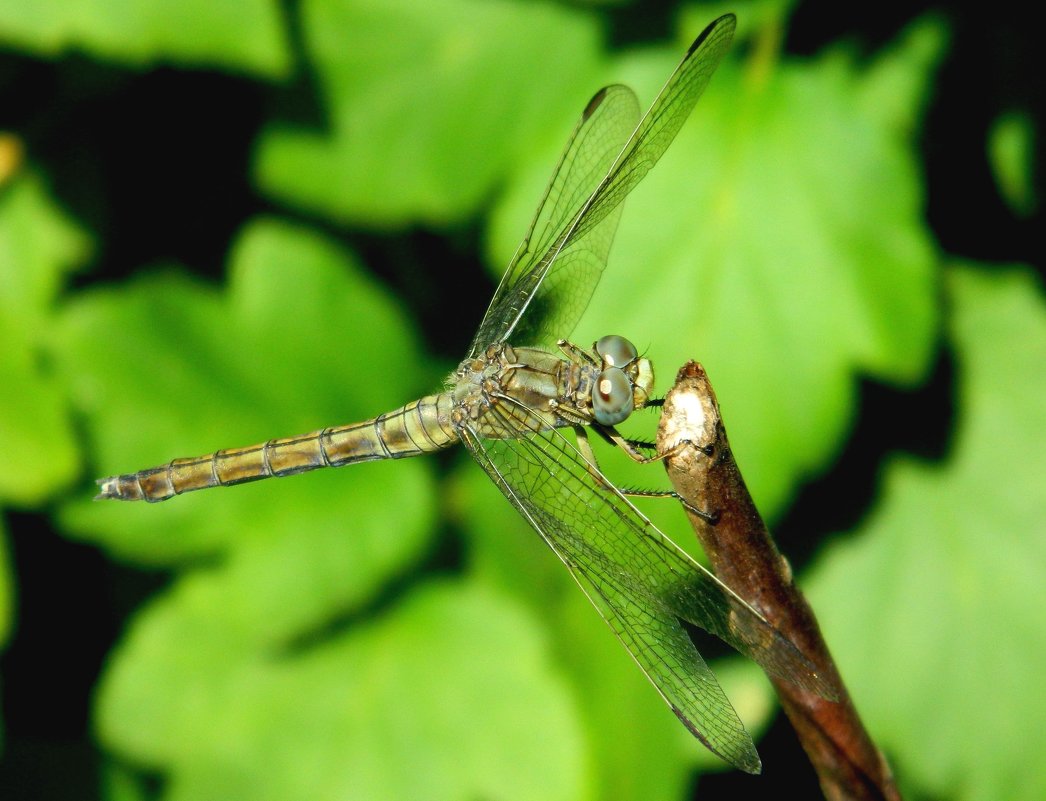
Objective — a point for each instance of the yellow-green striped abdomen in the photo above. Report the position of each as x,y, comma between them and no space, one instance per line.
419,427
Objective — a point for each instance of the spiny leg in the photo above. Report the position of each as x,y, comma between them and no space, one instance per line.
631,447
709,517
634,447
575,352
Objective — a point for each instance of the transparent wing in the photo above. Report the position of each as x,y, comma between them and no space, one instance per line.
643,585
598,137
556,268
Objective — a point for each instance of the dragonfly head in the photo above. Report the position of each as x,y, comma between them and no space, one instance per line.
625,382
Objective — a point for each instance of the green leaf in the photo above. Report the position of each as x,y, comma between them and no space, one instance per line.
427,103
934,608
1011,152
447,695
246,35
780,242
300,340
38,246
119,783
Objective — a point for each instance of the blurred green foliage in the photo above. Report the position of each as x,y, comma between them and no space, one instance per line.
309,642
956,552
1011,149
38,247
246,35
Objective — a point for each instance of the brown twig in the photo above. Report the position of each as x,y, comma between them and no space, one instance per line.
702,469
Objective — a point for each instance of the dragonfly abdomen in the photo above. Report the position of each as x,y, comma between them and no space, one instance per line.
422,426
419,427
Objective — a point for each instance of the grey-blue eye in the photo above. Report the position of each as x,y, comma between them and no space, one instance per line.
612,397
615,351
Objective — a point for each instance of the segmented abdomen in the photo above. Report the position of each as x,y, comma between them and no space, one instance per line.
419,427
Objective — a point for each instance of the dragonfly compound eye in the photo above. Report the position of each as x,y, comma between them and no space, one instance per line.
612,400
615,351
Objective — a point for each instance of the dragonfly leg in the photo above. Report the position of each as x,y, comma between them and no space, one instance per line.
572,415
630,446
574,352
585,447
709,517
633,447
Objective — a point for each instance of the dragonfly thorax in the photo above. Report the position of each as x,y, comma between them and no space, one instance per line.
491,392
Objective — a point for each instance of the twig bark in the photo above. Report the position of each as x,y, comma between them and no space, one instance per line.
701,466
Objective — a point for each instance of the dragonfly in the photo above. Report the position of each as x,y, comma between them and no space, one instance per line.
510,405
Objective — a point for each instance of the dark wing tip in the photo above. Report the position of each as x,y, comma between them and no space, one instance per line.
723,26
594,103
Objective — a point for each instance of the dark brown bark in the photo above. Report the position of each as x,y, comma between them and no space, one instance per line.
701,466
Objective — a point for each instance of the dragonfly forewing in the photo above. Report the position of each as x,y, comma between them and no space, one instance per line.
607,122
552,277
